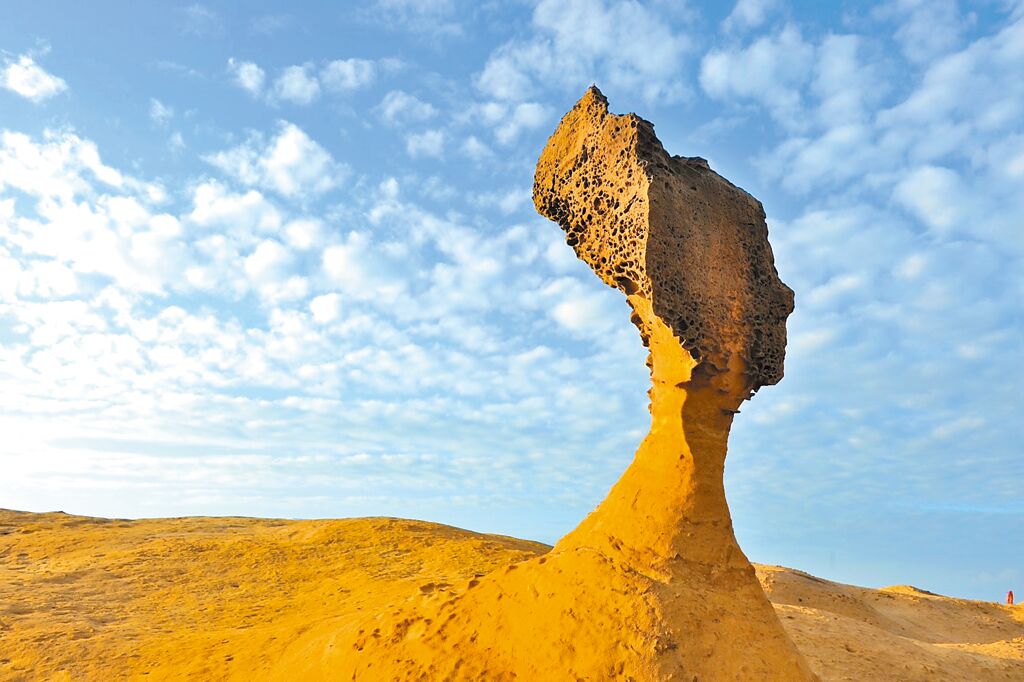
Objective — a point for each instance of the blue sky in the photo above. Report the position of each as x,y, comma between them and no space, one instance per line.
281,260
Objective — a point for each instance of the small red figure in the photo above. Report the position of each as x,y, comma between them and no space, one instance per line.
1009,598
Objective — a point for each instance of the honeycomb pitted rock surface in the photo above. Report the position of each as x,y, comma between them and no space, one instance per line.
672,230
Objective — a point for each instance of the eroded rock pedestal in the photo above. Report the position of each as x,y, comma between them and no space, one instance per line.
651,585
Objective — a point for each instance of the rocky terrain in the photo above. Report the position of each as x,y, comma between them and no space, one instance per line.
247,599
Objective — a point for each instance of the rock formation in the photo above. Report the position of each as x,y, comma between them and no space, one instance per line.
652,585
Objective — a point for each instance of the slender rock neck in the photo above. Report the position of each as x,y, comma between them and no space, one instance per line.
670,503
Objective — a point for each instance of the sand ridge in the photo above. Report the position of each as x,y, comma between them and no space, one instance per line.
896,633
201,598
263,599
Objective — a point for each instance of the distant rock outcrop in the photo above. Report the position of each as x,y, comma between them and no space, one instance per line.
652,585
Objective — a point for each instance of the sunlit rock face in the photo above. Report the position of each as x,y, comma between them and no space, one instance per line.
651,585
672,231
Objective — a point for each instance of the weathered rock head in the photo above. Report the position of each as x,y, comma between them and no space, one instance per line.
672,230
651,585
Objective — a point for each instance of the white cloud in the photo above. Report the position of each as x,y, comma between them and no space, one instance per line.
620,44
248,75
46,279
159,112
26,78
216,206
219,260
303,234
972,87
587,310
176,142
508,201
88,217
525,116
802,163
847,86
912,266
961,103
927,28
560,257
270,269
935,195
810,341
961,110
268,261
508,120
427,143
326,308
431,18
54,168
343,75
772,71
400,107
475,149
363,269
291,163
747,14
292,289
829,293
201,21
301,84
297,84
269,24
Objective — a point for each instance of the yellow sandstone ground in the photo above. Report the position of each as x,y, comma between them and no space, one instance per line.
237,598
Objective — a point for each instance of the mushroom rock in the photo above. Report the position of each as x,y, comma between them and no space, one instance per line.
652,584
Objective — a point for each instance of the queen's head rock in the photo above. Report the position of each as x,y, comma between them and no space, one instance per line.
670,230
652,584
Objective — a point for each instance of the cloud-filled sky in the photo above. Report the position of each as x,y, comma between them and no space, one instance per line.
280,259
